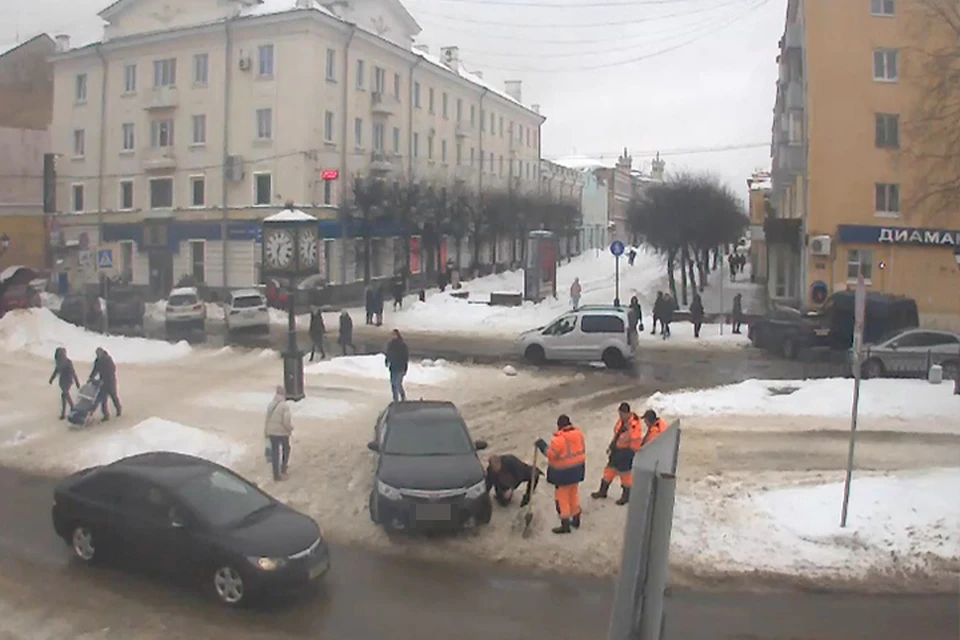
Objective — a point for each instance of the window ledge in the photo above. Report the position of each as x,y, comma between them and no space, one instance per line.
886,80
330,143
887,214
198,145
866,281
78,158
127,152
331,80
263,142
128,94
264,77
200,85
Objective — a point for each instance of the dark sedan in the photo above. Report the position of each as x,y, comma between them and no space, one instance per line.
428,473
191,517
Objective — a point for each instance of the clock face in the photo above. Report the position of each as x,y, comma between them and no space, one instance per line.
278,249
308,248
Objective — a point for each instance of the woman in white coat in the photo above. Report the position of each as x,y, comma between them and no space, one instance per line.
278,428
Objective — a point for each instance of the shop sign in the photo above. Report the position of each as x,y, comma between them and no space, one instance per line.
864,234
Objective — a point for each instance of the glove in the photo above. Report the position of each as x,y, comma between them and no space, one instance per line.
541,445
609,449
641,326
526,500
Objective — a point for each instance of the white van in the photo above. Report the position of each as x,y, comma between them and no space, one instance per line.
247,309
593,333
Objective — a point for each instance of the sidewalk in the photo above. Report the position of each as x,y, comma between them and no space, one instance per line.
754,295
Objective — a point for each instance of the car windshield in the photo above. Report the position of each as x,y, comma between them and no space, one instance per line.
246,302
183,300
223,498
427,433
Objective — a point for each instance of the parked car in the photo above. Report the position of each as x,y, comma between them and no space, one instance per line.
911,353
310,291
592,333
428,474
786,331
276,294
18,296
125,307
82,311
185,309
191,517
247,309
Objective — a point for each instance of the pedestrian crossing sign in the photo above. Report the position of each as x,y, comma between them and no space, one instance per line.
105,259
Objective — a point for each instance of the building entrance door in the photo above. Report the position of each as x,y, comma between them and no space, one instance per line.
161,273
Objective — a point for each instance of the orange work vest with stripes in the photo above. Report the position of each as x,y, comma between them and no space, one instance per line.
654,430
631,436
566,456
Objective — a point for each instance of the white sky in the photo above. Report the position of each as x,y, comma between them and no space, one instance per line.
667,75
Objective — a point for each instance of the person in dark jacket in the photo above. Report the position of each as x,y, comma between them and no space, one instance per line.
631,256
398,291
632,321
345,335
668,306
105,369
317,332
657,308
737,316
696,314
368,303
67,375
397,360
505,474
378,295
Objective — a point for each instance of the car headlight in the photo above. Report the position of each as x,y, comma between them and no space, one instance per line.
477,490
388,492
267,564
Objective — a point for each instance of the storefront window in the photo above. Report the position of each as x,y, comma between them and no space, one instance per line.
859,261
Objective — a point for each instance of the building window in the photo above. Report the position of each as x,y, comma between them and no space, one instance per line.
165,72
129,78
77,198
429,147
396,140
265,60
520,132
198,191
80,89
493,124
197,251
443,105
416,95
161,193
885,64
161,133
483,120
859,261
199,129
459,109
358,133
528,137
500,170
264,124
501,126
887,130
794,128
79,143
328,126
415,152
331,64
459,153
473,152
127,133
377,136
360,73
396,86
126,261
430,100
262,189
379,80
473,115
881,7
201,63
126,195
887,199
443,151
328,192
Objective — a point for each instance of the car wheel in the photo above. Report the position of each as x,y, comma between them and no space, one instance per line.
228,586
535,354
374,507
83,544
613,359
872,368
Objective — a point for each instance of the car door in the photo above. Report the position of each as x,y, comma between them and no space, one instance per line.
145,522
560,338
907,353
944,347
98,504
597,332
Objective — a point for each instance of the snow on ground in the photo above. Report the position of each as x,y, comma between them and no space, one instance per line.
50,301
832,397
257,402
425,372
39,332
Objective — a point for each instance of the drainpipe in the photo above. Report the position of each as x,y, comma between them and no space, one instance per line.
103,140
416,63
483,126
227,75
806,173
343,152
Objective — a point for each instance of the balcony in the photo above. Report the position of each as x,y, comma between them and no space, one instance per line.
161,98
159,159
794,95
793,38
380,163
383,104
465,129
463,173
790,159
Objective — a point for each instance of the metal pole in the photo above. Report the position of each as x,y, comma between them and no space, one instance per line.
853,440
721,295
616,299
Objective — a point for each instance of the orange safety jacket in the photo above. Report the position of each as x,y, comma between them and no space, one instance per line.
566,457
631,437
654,430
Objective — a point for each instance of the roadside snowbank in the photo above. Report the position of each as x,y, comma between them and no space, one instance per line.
831,397
256,402
39,332
426,372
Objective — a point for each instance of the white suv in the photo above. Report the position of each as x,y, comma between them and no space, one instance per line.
596,333
247,309
185,309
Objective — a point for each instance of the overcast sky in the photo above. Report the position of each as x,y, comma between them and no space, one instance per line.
695,76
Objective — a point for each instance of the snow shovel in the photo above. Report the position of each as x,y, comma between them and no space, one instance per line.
528,515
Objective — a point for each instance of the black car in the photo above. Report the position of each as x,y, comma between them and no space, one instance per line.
787,331
82,311
191,517
125,307
428,473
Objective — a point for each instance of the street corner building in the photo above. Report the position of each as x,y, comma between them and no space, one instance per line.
857,177
191,121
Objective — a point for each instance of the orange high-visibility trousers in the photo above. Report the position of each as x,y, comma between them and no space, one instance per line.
626,477
568,500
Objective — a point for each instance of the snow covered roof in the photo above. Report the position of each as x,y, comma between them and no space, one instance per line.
583,162
470,76
290,215
270,7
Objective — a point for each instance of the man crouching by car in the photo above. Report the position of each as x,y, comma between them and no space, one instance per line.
505,474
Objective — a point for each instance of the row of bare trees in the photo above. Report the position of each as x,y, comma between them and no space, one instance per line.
434,212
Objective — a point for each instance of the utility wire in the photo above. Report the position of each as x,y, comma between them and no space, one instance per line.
574,5
662,152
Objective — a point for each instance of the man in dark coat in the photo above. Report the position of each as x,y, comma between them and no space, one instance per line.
368,303
696,314
657,309
105,369
397,360
505,474
668,306
398,290
64,370
317,332
378,305
737,318
345,335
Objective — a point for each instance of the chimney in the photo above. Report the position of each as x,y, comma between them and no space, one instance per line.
422,48
450,57
62,42
535,107
657,168
512,89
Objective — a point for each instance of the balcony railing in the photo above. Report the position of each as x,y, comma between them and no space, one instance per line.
790,158
793,39
794,95
384,104
380,162
159,159
161,98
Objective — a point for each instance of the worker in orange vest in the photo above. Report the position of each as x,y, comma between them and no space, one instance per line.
655,426
627,436
566,467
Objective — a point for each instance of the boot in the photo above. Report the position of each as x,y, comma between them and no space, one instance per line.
564,526
601,493
575,521
624,496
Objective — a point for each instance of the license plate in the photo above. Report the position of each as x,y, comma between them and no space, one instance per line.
319,570
821,332
433,512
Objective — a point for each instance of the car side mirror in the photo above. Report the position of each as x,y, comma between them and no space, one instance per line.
373,446
894,346
480,445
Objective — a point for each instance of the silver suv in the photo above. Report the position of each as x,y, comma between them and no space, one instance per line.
594,333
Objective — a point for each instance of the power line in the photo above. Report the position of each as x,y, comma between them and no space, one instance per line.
687,151
575,5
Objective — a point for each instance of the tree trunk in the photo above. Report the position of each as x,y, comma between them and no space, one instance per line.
475,238
671,269
493,251
692,268
367,241
683,276
704,267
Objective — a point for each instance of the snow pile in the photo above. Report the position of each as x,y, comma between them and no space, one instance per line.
50,301
157,434
157,311
894,523
256,402
427,372
39,332
831,397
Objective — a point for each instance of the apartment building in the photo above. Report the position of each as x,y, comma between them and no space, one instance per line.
191,121
759,189
845,164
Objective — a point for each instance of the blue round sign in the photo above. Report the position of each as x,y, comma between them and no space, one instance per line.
616,248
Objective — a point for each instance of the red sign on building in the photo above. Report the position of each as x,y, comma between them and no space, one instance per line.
329,174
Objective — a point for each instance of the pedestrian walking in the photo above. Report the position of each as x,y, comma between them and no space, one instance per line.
737,315
397,360
105,369
732,264
64,371
345,333
631,256
378,295
278,427
696,314
627,436
566,468
657,312
317,332
397,288
575,291
666,314
632,321
368,303
635,306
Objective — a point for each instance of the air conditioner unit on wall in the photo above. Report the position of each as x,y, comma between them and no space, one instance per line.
244,63
820,246
233,169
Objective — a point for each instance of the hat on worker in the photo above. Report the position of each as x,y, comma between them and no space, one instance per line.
563,420
650,415
624,407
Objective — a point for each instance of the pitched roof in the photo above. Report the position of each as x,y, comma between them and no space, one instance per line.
10,48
